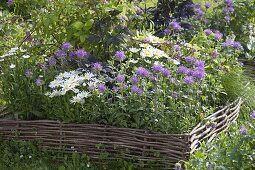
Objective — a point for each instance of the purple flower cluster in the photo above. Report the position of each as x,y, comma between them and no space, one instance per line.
218,35
120,78
38,82
208,32
138,10
29,74
143,72
207,5
233,44
97,66
136,90
81,53
228,2
253,115
61,53
243,130
134,80
175,25
159,68
101,88
120,55
167,31
66,46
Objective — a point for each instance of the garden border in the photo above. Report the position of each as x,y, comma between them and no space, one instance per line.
127,143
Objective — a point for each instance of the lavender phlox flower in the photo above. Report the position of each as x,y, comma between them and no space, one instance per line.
208,32
243,130
236,45
226,10
218,35
66,46
183,70
120,78
52,61
188,80
101,88
215,53
115,89
10,2
253,115
61,53
97,66
134,80
177,47
143,72
38,82
228,2
157,67
227,18
138,10
167,31
199,63
29,73
136,90
81,53
231,9
165,72
120,55
198,73
207,5
147,40
189,59
72,54
175,25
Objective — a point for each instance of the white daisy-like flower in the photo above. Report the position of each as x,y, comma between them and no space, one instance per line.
84,94
88,76
13,50
134,50
147,52
77,99
26,56
12,66
54,84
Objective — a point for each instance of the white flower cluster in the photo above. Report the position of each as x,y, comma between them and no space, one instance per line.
151,52
75,82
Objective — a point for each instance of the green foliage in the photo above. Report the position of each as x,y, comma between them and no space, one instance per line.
230,151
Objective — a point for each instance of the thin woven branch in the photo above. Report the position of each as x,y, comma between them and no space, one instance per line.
131,144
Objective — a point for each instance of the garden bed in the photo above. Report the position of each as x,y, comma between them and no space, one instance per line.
106,142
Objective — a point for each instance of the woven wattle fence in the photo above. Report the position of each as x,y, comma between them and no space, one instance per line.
164,150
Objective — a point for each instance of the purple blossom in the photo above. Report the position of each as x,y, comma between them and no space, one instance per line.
81,53
143,72
44,66
208,32
226,10
177,47
199,63
199,13
72,54
207,5
97,66
10,2
188,80
228,2
236,45
218,35
120,55
38,82
183,70
227,43
52,61
227,18
138,10
197,6
215,53
198,73
66,46
165,72
174,95
29,74
167,31
157,67
153,78
147,40
115,89
134,80
253,115
175,25
172,80
91,88
242,130
231,9
189,59
120,78
101,88
210,166
61,53
136,90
